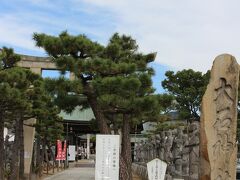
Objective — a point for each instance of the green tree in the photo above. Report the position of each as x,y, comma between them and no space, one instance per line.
115,78
76,54
188,87
9,96
126,95
17,108
49,127
24,98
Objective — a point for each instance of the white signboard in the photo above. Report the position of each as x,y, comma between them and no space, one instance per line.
156,169
71,153
107,157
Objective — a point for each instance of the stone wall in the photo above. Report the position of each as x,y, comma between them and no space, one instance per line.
179,148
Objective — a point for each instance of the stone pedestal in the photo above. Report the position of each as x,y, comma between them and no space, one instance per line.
218,148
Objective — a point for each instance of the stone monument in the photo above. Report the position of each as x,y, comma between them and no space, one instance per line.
156,169
218,148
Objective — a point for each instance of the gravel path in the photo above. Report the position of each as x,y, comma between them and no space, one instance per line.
74,174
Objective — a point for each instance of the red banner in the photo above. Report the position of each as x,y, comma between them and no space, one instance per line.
59,150
64,150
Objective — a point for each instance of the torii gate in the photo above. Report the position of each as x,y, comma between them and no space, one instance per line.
36,65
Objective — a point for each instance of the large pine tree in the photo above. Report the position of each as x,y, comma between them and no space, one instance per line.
115,79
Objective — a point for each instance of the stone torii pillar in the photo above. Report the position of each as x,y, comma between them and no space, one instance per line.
218,148
29,135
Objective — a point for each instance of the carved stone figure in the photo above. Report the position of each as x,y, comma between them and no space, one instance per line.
168,146
219,120
185,156
162,145
145,152
154,151
150,149
137,152
168,177
177,151
194,151
171,169
141,147
178,167
158,145
178,144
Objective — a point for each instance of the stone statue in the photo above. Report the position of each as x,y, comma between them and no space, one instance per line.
146,149
154,154
168,146
158,145
142,152
185,156
151,148
178,167
162,145
137,152
178,144
177,151
170,169
168,177
194,151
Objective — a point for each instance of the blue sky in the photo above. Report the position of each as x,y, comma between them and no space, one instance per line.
185,34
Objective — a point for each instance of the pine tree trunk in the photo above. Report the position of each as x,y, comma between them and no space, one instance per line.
123,171
21,145
42,155
14,165
2,162
38,156
104,129
51,152
102,124
126,149
51,156
47,160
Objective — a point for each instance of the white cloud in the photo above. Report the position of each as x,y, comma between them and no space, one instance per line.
186,34
15,33
18,24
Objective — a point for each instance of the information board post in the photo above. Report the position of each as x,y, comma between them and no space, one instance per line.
107,157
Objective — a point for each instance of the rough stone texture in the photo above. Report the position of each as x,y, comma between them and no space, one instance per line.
179,148
219,121
28,133
37,64
140,170
194,151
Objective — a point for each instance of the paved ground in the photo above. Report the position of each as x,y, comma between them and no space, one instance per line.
74,174
82,170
